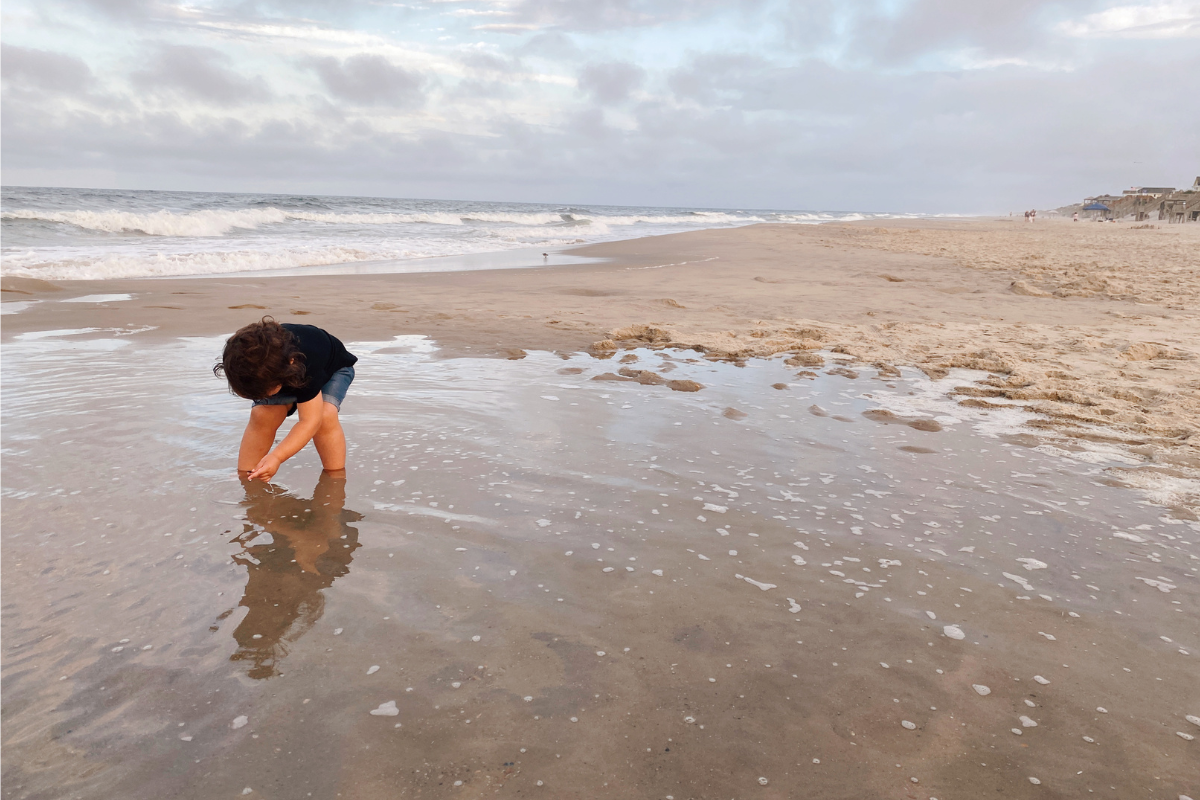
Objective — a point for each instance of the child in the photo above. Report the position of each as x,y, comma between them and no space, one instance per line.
283,368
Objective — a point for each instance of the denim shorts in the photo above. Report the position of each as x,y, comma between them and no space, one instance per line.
334,392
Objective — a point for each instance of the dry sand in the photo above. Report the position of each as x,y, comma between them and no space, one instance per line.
1092,325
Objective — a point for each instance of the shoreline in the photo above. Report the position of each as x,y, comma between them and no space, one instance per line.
517,258
1087,325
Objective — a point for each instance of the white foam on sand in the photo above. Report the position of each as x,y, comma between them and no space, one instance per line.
16,306
759,584
99,298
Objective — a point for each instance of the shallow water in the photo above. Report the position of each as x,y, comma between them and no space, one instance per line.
495,552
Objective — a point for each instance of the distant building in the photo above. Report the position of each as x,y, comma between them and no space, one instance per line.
1153,191
1138,203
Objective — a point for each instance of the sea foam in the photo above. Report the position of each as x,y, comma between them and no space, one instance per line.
64,234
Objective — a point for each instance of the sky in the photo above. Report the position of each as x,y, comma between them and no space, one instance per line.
937,106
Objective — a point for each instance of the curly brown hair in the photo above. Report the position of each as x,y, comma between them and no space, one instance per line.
259,357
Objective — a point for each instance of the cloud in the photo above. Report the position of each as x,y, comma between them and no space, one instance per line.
183,12
709,78
1176,20
937,25
198,73
489,63
552,45
44,70
607,15
925,34
508,27
926,105
612,82
369,79
121,9
804,136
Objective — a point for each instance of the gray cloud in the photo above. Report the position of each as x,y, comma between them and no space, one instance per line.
121,9
551,44
490,64
611,83
708,76
833,104
594,15
368,79
490,79
44,70
870,33
980,141
606,15
199,73
179,11
926,25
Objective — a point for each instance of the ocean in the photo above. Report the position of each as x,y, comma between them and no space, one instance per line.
89,234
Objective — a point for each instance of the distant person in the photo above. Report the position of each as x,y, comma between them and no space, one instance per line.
1033,215
285,368
1075,217
1027,216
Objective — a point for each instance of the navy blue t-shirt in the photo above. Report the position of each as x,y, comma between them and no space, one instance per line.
324,355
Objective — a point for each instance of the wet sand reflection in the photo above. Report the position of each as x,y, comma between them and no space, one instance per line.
311,544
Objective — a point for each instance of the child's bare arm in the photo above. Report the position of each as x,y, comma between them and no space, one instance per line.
311,414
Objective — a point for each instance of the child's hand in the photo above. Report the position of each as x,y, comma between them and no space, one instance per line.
266,468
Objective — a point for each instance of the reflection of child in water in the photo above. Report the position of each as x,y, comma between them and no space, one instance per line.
312,545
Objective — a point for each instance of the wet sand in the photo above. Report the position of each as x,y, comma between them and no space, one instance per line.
833,584
1092,326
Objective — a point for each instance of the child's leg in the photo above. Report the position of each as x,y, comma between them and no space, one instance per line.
259,436
330,440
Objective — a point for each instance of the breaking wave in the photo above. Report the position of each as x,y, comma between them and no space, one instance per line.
207,223
156,223
164,265
63,234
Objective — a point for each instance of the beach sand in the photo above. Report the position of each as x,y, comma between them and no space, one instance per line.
633,556
1091,325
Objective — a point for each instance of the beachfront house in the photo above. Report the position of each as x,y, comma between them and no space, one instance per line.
1181,206
1153,191
1139,202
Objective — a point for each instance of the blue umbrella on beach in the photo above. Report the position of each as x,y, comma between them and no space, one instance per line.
1096,207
